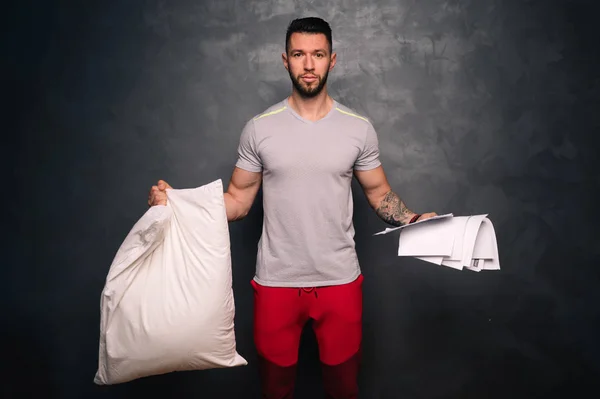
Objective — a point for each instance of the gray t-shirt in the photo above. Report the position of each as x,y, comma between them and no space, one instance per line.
308,234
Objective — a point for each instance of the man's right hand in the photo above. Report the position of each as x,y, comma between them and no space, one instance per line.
158,194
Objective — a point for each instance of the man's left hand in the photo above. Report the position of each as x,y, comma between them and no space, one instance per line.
426,216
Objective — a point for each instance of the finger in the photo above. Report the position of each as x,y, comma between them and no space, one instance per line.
152,193
163,185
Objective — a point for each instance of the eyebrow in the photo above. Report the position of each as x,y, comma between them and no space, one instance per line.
302,51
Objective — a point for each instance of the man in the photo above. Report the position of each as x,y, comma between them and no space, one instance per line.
305,150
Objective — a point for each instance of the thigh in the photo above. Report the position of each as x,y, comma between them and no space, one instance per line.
337,315
279,316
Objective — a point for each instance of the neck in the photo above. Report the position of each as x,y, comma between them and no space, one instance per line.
311,108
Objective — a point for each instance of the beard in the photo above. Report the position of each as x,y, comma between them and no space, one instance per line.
312,90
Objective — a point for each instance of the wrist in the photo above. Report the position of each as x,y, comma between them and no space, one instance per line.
414,218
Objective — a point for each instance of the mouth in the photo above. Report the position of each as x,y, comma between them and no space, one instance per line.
309,79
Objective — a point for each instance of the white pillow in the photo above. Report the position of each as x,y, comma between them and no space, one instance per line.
167,304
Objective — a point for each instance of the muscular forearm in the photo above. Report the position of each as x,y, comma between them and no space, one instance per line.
392,210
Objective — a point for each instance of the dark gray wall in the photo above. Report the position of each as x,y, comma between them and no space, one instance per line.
483,106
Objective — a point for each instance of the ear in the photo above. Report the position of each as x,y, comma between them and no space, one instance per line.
333,61
285,61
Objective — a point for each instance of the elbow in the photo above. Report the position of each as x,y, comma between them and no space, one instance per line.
239,215
244,213
375,200
235,209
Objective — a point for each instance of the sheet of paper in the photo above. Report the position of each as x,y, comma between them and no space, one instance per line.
459,225
432,259
428,239
494,262
441,261
470,236
484,245
389,230
455,264
476,265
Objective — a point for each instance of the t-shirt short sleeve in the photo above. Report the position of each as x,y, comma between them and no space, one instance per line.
369,154
248,158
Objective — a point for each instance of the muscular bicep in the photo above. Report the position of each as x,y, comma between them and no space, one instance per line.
243,187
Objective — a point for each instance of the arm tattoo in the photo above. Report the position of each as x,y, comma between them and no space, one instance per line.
393,211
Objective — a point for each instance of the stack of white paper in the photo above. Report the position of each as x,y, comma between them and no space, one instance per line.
459,242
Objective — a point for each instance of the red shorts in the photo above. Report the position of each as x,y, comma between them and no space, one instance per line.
280,315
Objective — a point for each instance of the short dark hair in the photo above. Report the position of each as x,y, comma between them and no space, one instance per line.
308,25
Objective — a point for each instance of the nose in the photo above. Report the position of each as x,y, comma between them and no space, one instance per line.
309,64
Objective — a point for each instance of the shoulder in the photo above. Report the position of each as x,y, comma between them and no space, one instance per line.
258,121
351,115
270,111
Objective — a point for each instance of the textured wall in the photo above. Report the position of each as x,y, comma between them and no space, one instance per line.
481,106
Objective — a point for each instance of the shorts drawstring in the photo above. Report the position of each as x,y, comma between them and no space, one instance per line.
308,289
